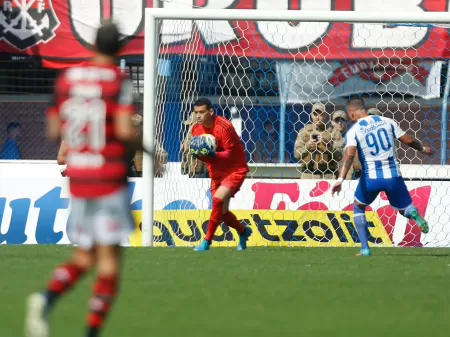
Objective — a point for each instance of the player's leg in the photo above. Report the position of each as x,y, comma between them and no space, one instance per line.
68,274
365,194
108,261
399,198
230,186
214,219
112,223
65,276
222,192
230,219
219,212
359,216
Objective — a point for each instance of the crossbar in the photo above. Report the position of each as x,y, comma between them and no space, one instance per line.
307,16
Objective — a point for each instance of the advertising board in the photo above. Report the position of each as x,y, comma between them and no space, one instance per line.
35,205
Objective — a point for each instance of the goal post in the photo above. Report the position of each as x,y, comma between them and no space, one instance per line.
158,43
149,126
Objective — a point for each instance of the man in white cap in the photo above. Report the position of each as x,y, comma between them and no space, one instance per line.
314,146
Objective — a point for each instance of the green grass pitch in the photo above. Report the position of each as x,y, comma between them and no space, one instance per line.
309,292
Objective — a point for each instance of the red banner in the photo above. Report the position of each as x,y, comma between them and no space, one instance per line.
61,32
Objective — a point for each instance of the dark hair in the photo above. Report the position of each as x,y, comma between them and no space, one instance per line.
108,39
204,101
273,123
356,103
11,126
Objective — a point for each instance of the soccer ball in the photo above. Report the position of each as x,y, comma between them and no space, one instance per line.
208,144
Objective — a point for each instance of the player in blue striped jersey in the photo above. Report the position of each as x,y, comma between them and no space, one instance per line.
374,138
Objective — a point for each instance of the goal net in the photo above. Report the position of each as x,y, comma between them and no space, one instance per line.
282,79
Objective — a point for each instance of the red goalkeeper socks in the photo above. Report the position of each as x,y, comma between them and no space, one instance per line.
64,277
100,303
215,218
231,221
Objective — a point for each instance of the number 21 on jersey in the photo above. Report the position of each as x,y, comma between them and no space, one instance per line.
86,119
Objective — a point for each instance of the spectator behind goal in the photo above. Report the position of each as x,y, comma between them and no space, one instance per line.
10,149
267,147
191,166
136,160
314,147
373,112
338,130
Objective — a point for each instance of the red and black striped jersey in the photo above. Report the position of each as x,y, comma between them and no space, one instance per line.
86,99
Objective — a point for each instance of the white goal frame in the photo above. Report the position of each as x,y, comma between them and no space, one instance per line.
150,65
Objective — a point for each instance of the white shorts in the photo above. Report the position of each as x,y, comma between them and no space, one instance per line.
104,221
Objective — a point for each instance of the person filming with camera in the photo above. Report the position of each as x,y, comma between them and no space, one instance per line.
314,146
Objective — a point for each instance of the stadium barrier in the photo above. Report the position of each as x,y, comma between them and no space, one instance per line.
35,205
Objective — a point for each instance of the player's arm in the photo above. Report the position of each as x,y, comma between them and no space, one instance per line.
225,154
53,121
409,140
53,128
412,142
61,157
347,162
230,139
416,144
62,152
218,155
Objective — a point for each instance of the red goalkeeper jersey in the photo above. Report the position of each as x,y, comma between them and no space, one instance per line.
230,155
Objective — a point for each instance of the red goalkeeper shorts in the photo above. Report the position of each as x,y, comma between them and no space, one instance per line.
232,181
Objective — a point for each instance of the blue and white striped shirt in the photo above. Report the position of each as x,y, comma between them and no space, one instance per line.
374,137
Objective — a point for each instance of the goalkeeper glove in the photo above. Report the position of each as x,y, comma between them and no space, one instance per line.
194,147
200,148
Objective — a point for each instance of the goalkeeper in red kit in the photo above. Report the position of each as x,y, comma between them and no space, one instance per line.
227,167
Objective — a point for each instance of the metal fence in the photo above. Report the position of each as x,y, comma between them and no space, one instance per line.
26,88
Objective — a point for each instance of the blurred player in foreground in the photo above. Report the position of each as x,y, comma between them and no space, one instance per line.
227,167
91,112
374,139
